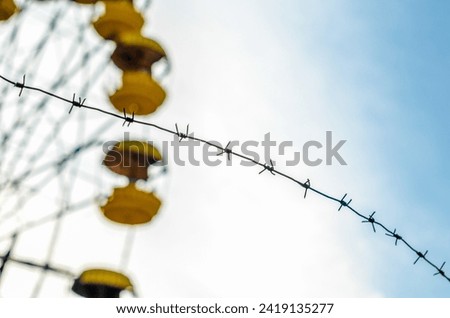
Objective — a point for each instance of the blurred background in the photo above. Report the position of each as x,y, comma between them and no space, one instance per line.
373,73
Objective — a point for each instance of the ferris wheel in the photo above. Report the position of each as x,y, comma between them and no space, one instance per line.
58,162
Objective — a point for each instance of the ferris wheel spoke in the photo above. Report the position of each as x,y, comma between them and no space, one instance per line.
127,247
11,42
32,120
65,190
45,144
55,167
71,208
20,119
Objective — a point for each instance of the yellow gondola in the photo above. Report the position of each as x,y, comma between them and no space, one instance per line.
139,94
86,1
131,206
7,9
119,17
101,283
95,1
132,158
135,52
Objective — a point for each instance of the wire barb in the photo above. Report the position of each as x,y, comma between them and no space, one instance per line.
420,255
226,150
21,85
269,168
306,185
127,119
440,271
395,235
371,220
182,135
343,203
79,103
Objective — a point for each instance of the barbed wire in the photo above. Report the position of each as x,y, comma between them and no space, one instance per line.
269,167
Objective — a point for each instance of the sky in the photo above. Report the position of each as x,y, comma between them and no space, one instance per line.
372,73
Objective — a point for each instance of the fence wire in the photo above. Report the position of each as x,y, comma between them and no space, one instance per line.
79,102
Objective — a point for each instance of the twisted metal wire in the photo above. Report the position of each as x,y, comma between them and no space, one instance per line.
269,167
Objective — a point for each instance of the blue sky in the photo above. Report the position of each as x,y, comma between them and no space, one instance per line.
379,68
373,72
